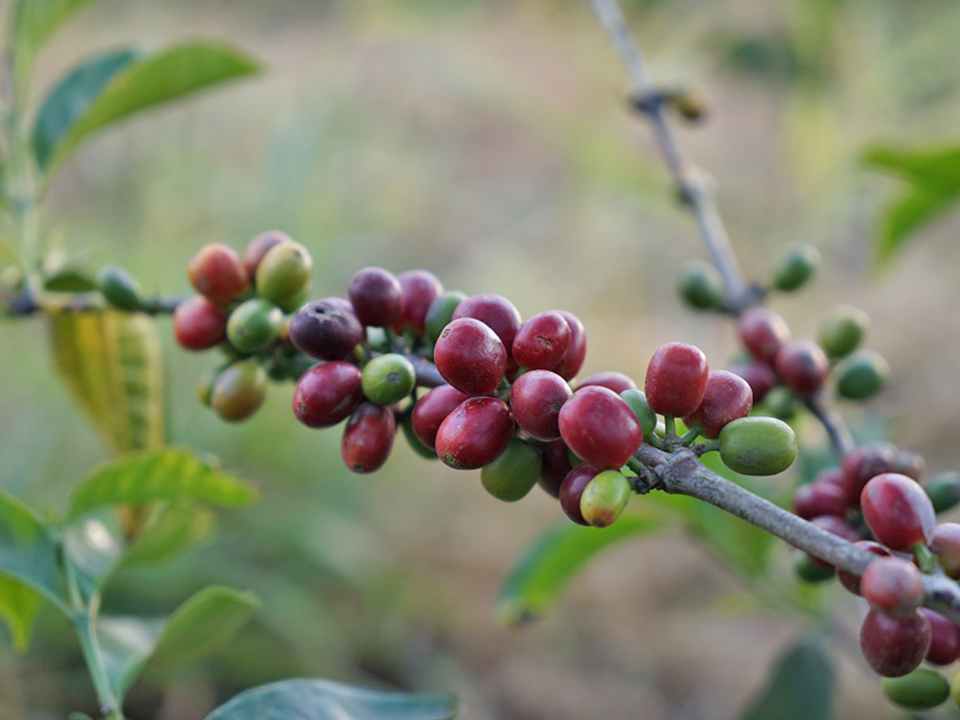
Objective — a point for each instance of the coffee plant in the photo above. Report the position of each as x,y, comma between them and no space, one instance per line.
461,379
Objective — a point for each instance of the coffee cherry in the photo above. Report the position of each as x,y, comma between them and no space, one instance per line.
494,311
376,297
260,246
327,394
198,324
119,288
795,266
944,638
253,325
862,375
763,332
573,359
217,273
239,390
205,384
910,464
610,379
325,330
923,689
892,586
535,399
556,465
781,403
406,422
690,105
284,272
946,544
700,287
676,379
475,433
758,446
571,491
803,366
420,288
637,402
600,428
944,491
604,498
842,331
894,646
811,570
388,379
759,376
830,476
863,464
470,356
819,498
898,511
368,438
440,313
852,582
432,409
542,341
514,473
726,398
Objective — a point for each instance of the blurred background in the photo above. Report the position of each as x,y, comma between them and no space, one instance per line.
490,142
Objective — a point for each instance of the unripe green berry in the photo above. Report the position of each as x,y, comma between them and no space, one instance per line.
637,401
700,286
440,313
295,301
284,272
239,390
514,473
923,689
604,498
388,379
944,491
781,403
691,105
861,375
205,384
119,288
795,266
842,331
811,571
253,325
758,446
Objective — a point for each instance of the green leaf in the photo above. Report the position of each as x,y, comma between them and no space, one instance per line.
33,23
19,605
78,716
326,700
112,365
542,574
148,476
69,280
800,686
92,552
125,644
173,530
930,166
150,81
71,99
911,211
27,551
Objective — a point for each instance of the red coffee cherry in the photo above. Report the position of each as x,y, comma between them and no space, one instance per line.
217,273
535,399
494,311
803,366
852,582
324,330
258,247
475,433
368,437
376,297
600,428
763,332
946,544
831,476
892,585
431,410
819,498
898,511
726,398
573,359
198,324
327,394
542,341
760,377
894,646
610,379
944,638
863,464
419,290
556,465
571,491
676,379
470,356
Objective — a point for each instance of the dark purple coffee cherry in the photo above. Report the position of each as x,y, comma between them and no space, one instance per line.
432,409
470,356
944,638
819,498
542,341
258,247
759,376
946,544
863,464
894,646
898,511
852,582
676,379
535,399
727,397
419,287
803,367
475,433
610,379
376,297
368,438
600,427
327,394
324,330
494,311
571,491
763,332
573,358
892,586
556,465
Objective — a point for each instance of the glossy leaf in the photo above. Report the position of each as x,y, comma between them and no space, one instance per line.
148,476
27,551
326,700
35,21
148,82
19,605
125,645
92,552
112,365
542,574
174,529
800,686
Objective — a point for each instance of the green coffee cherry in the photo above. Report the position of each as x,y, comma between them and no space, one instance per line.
700,286
253,325
690,105
283,273
795,266
388,379
842,331
810,571
119,288
205,384
440,313
604,498
296,301
418,447
514,473
861,375
923,689
239,390
637,401
781,403
944,491
758,446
